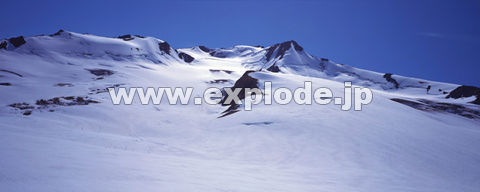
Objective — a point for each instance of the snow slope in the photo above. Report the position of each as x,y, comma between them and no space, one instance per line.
388,146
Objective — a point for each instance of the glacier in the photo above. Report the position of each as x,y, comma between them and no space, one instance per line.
59,130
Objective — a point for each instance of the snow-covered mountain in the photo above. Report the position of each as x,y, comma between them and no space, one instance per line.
59,130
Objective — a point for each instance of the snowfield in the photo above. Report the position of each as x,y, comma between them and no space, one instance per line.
59,130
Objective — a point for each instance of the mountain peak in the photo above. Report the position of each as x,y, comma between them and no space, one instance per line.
281,48
292,43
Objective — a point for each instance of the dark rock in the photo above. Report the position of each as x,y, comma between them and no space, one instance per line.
413,104
243,82
219,70
41,102
388,77
139,36
465,91
53,102
64,101
64,85
228,112
274,68
21,106
324,59
186,57
6,84
281,49
100,72
59,32
56,101
432,106
220,81
79,99
204,49
3,45
17,41
270,51
259,123
103,90
218,54
127,37
165,47
69,98
322,66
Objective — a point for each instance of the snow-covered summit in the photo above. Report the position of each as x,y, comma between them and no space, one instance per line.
287,57
90,46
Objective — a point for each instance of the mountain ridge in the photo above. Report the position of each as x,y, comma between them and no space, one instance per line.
284,57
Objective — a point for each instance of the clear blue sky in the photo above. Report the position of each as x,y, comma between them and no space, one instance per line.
431,39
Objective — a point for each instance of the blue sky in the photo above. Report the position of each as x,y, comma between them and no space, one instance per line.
431,39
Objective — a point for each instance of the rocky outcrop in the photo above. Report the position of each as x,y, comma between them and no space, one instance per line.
466,91
100,72
59,32
432,106
274,68
220,70
186,57
218,54
49,104
388,77
127,37
220,81
246,81
3,45
165,47
204,49
281,49
17,41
